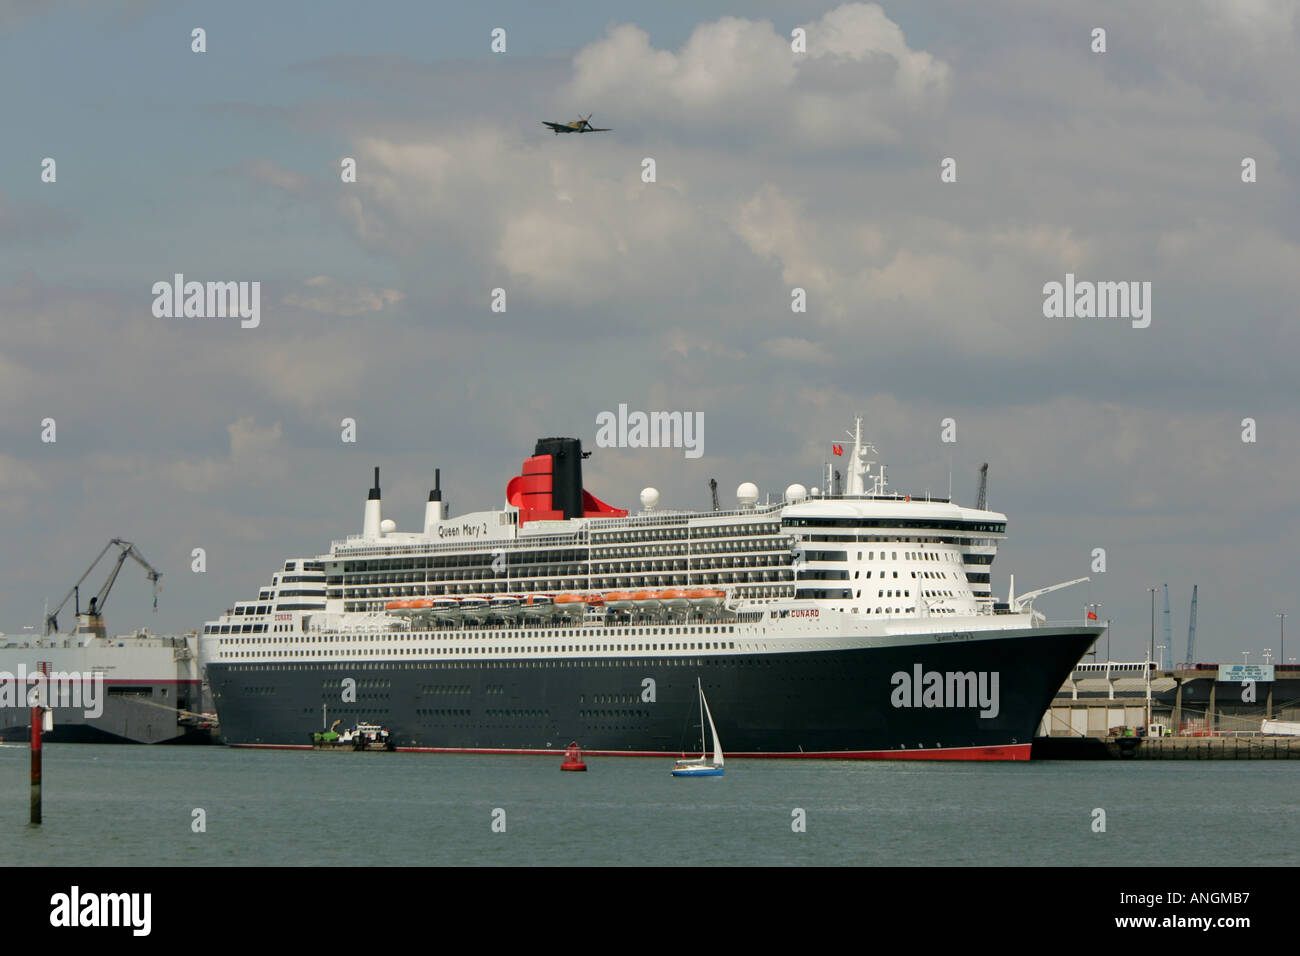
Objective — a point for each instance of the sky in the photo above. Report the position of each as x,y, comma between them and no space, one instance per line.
774,170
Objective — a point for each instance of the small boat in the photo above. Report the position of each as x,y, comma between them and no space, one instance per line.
505,605
702,767
573,758
358,737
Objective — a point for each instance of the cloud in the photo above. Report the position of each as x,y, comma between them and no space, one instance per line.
329,295
859,82
256,457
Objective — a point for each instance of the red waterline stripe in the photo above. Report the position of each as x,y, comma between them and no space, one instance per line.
1003,752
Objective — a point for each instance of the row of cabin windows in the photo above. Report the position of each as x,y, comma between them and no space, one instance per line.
920,525
477,649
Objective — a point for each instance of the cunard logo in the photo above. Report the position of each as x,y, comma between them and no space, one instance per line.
947,689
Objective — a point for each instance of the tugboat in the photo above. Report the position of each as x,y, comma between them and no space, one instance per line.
358,737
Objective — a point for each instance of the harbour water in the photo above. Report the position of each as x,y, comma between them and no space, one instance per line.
127,805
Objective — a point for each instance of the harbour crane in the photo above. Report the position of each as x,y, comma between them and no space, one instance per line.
96,606
1191,631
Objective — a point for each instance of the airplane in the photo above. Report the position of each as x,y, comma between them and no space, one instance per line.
577,126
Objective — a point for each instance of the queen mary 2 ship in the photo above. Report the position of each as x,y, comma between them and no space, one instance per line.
853,624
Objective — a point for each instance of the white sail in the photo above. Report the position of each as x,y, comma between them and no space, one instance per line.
717,746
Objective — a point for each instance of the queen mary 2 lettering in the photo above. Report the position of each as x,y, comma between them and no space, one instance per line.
854,624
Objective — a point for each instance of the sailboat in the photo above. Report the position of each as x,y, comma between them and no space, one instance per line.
702,767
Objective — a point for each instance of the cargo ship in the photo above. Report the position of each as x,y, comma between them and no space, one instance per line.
849,622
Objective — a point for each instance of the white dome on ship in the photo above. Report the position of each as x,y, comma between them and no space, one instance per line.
387,526
796,493
649,498
747,493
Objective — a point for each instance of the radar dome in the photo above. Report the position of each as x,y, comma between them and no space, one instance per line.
796,492
387,526
816,491
649,498
747,493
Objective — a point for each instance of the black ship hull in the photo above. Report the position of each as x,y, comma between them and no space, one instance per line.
978,695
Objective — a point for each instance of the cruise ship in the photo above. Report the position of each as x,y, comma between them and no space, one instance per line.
847,622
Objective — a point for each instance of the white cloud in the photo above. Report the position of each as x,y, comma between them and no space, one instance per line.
329,295
858,82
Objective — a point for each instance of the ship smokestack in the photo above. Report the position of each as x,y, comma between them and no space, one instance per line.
566,474
370,526
433,508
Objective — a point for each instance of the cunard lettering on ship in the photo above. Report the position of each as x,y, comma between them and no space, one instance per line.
949,689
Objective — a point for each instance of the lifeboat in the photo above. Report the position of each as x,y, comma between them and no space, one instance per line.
674,599
595,600
570,603
706,597
542,605
446,607
506,605
646,600
420,604
619,600
398,607
474,606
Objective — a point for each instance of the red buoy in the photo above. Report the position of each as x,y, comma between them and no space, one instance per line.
573,758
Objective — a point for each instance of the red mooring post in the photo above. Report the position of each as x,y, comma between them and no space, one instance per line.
38,718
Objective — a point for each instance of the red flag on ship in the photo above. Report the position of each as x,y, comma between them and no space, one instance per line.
837,449
1092,616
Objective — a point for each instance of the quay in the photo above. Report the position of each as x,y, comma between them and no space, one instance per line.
1132,710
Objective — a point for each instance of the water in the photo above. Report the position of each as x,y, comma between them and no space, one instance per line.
128,805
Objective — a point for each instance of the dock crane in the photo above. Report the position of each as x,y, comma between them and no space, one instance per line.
95,610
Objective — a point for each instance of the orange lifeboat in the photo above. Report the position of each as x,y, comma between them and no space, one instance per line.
706,597
619,600
674,599
570,603
595,600
397,606
646,599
